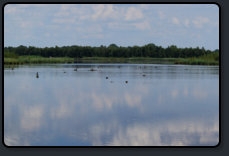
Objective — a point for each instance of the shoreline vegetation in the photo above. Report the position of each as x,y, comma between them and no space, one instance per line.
205,60
148,54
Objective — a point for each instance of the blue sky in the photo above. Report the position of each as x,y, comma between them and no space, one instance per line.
41,25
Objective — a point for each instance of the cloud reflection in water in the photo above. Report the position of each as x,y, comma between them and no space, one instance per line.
72,110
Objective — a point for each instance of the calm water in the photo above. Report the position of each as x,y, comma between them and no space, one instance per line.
170,105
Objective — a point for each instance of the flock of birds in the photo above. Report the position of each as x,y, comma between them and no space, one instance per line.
37,74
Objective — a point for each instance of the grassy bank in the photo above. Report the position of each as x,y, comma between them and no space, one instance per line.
36,60
196,61
210,59
39,59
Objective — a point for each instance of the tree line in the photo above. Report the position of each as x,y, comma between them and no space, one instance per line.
149,50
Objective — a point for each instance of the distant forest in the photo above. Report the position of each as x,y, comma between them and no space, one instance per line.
149,50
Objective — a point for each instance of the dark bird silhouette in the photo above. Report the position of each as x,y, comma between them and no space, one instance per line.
106,77
37,75
92,69
126,81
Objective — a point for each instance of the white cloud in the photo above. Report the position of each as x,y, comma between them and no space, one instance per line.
103,12
69,8
175,21
68,14
161,14
15,9
133,13
200,21
144,6
119,25
24,24
10,10
142,25
21,20
88,12
63,12
98,10
186,22
109,12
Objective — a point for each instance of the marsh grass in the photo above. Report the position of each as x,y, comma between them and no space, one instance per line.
37,60
209,59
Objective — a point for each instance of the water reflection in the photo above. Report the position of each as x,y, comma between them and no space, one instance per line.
166,107
172,133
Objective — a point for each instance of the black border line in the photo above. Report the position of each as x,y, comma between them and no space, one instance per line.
116,2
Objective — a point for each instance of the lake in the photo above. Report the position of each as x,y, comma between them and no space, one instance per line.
111,105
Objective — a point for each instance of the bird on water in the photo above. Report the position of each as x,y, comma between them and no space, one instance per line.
37,75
